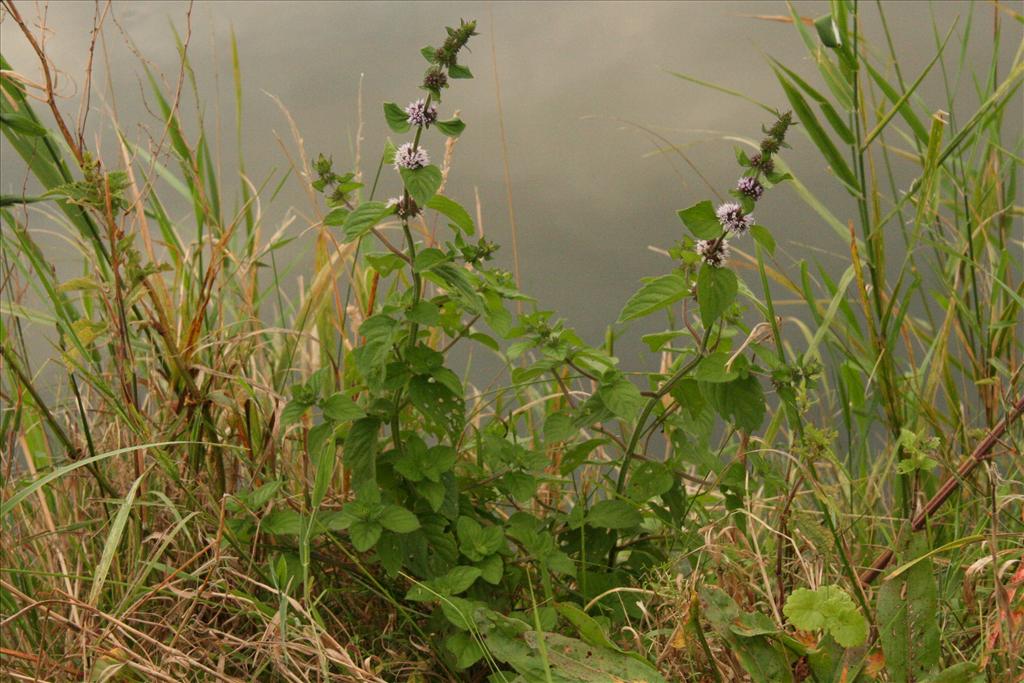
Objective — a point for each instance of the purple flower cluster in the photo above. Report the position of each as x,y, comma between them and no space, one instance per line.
411,157
750,187
715,253
732,218
420,114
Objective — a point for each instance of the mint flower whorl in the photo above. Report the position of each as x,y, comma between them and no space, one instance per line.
762,163
420,114
715,253
408,157
750,187
732,218
404,207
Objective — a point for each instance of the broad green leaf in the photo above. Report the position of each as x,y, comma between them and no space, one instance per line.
701,220
459,71
908,629
399,520
364,218
613,514
620,395
712,368
655,294
284,522
741,402
421,183
454,211
452,127
360,457
428,258
397,119
364,534
716,291
341,408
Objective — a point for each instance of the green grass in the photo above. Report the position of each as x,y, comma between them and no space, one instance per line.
161,504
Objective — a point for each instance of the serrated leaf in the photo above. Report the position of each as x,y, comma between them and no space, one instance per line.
454,211
613,514
452,127
700,219
364,218
360,457
716,291
655,294
399,520
428,258
364,534
620,396
341,408
422,183
459,71
398,120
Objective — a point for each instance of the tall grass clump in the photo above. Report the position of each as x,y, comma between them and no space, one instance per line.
205,479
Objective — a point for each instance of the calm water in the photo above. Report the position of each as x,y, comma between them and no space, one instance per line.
591,189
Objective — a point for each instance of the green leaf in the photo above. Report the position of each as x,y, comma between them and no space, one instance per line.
558,427
828,31
763,237
360,457
459,71
341,408
285,522
465,647
363,218
398,519
452,127
716,291
655,294
647,480
454,211
712,368
424,313
427,259
364,534
336,216
422,183
827,608
741,402
613,514
398,120
620,395
817,134
701,220
22,124
437,403
907,627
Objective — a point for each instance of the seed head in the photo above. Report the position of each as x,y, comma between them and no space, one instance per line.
435,79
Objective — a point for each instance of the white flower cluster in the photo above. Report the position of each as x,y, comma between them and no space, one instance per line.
411,157
715,253
732,218
420,114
